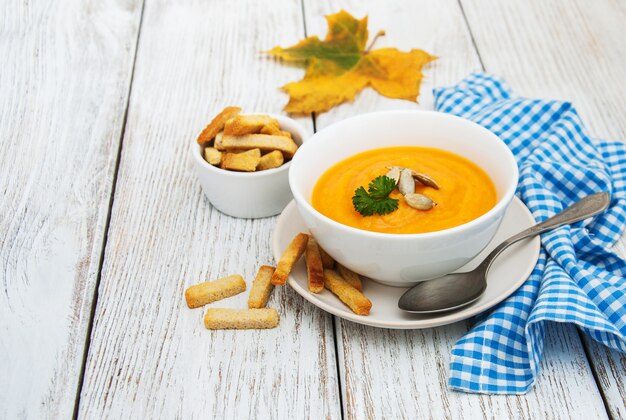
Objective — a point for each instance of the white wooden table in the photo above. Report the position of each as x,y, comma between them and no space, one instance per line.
103,224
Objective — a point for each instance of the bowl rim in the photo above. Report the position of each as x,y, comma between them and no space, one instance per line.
500,206
196,150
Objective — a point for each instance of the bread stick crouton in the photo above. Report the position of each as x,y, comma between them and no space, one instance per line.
275,131
249,124
218,141
218,123
264,142
284,134
350,277
327,260
240,319
314,267
289,258
261,288
243,162
212,155
211,291
356,301
271,160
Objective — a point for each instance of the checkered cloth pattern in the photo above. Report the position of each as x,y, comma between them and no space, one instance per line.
577,278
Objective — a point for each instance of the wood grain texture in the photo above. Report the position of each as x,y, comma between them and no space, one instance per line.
403,374
150,355
558,49
571,50
609,367
64,80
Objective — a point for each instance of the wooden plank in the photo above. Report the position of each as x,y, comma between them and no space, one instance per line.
572,50
403,374
609,367
66,69
558,49
150,355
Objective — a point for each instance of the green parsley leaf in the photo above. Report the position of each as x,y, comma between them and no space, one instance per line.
376,199
381,187
363,203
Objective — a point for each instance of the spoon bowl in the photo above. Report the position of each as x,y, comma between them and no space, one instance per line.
454,291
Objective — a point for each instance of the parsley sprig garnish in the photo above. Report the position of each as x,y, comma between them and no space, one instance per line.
376,199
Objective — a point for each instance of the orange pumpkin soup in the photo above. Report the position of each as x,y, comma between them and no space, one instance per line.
466,191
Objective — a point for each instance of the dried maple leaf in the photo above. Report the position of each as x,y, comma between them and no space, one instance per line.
340,66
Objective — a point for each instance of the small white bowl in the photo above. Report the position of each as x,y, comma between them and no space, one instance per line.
248,194
403,259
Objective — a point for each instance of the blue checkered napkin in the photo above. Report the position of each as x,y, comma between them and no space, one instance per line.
577,279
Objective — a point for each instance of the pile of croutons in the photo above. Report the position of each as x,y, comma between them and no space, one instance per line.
246,143
322,272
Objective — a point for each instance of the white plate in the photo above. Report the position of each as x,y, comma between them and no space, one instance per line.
506,275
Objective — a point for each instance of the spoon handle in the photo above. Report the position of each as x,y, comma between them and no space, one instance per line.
586,207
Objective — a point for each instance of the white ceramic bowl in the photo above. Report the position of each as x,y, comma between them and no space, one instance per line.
248,194
403,259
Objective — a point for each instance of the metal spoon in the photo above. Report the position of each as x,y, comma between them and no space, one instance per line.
456,290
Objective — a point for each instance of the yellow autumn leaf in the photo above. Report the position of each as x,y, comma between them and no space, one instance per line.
340,66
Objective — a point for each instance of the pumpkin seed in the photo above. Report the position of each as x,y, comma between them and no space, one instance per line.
406,185
394,173
419,201
425,179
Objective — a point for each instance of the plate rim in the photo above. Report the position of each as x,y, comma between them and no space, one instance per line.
446,318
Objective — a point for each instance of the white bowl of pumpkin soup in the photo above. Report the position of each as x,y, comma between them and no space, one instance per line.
425,223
